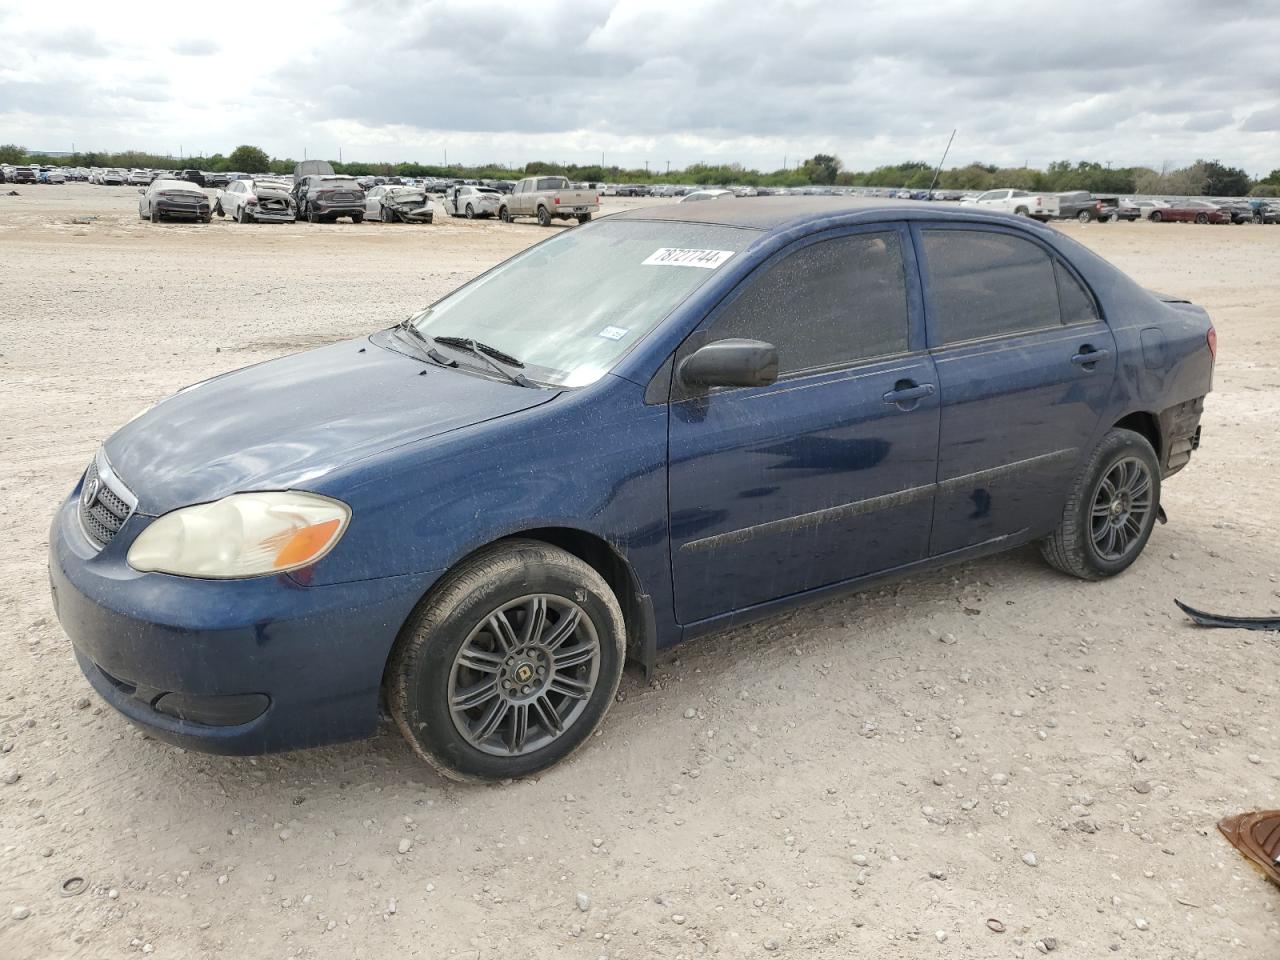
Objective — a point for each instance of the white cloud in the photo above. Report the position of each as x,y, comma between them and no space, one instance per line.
657,80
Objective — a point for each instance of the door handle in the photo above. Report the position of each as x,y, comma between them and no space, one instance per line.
908,392
1087,356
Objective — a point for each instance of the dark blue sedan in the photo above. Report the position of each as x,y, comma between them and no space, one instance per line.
666,422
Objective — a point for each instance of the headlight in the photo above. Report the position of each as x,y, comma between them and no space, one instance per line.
243,535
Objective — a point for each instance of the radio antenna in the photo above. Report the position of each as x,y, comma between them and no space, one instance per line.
938,171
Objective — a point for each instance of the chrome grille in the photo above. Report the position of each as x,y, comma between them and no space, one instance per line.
103,510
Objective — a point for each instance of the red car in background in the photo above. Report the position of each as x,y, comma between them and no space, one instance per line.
1191,211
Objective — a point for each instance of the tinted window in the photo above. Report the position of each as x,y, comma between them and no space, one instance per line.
826,304
986,284
1077,305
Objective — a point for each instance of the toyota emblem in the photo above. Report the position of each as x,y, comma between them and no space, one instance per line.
89,493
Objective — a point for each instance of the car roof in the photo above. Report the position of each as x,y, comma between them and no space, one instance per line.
771,213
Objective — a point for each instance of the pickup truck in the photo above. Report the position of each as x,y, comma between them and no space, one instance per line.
548,198
1038,206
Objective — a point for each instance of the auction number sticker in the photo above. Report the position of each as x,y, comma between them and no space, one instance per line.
676,257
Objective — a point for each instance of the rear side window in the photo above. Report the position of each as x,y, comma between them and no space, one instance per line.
1077,305
827,304
987,284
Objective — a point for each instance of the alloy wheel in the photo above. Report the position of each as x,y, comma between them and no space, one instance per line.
1121,508
524,675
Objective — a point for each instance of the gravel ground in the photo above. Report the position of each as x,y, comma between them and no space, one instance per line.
872,776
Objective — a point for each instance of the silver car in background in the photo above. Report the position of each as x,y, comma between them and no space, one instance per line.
256,201
395,204
471,201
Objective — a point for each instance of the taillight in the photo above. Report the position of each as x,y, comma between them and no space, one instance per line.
557,201
1211,338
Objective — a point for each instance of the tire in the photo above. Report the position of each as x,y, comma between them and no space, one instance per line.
1084,216
1075,547
1022,212
585,218
1202,218
544,218
1155,216
311,215
388,215
470,212
425,672
357,218
1114,218
217,208
155,215
504,215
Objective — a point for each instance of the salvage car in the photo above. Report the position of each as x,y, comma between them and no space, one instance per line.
475,516
173,200
392,204
1038,206
255,201
1189,211
468,200
324,198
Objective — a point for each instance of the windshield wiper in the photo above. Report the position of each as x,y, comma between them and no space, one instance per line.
494,357
427,343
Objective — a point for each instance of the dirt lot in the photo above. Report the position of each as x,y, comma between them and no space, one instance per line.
862,778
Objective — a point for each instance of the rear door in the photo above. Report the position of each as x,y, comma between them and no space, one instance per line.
828,473
1025,367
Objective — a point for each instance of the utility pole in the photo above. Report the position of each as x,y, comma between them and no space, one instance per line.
339,154
646,168
668,166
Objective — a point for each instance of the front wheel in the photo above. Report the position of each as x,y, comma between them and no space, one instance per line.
1110,510
388,215
357,218
504,214
217,208
1155,217
312,216
510,663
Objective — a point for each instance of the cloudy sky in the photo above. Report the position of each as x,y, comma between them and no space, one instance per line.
875,81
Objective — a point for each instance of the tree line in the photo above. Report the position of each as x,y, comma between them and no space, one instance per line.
1202,178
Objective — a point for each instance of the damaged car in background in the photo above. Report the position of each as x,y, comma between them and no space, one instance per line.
323,198
255,201
393,204
173,200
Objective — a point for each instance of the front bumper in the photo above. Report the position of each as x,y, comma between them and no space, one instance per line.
231,666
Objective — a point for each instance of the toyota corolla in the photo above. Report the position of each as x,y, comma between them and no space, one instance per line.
477,515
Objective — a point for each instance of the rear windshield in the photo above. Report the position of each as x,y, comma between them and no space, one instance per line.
607,284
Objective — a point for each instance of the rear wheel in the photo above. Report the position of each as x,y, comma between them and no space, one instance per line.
1202,218
155,215
470,213
584,218
357,218
1022,212
544,217
1084,216
311,214
217,208
509,664
1110,510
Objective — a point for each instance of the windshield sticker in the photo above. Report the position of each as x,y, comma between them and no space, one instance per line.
613,333
675,257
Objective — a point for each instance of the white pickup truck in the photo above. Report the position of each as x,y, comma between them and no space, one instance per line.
549,198
1038,206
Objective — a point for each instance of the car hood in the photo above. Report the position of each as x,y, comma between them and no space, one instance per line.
284,423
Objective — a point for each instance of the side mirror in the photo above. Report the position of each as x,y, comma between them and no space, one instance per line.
731,363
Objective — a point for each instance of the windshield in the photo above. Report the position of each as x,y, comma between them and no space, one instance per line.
568,308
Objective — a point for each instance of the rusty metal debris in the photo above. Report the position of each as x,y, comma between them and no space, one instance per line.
1221,620
1257,836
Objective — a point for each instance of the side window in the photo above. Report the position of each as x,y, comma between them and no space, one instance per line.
829,303
1077,305
987,284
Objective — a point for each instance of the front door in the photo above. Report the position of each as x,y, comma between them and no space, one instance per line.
1025,368
828,473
